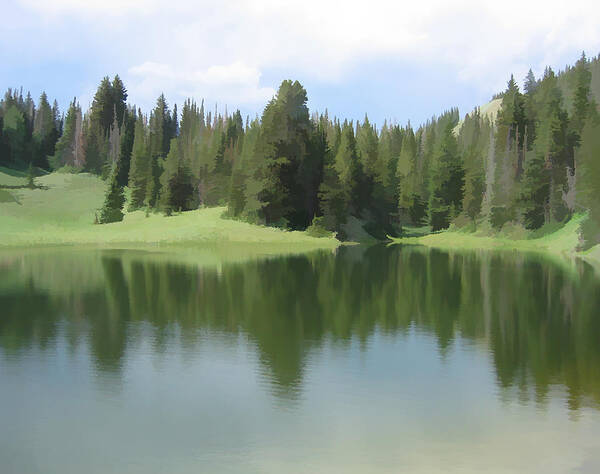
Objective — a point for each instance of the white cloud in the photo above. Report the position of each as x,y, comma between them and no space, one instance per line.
219,49
234,83
107,7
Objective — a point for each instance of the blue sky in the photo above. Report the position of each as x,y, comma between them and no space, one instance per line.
394,60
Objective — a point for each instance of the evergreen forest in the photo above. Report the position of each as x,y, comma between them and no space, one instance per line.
531,162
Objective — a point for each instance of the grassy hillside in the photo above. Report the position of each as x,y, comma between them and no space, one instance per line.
489,110
63,213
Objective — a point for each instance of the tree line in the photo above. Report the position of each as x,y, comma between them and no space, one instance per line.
533,165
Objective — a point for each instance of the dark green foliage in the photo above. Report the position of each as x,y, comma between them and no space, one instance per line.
140,165
27,135
243,199
317,228
127,138
333,198
112,211
15,135
374,191
411,202
177,182
180,191
584,104
284,143
473,145
447,181
536,190
342,191
554,149
119,99
350,170
108,104
390,143
103,124
237,191
160,128
69,149
509,154
94,148
45,133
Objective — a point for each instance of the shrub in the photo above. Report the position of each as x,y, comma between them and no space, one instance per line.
317,228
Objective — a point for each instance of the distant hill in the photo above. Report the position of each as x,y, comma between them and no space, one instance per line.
489,110
566,84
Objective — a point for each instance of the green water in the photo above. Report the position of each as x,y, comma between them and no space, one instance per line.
380,359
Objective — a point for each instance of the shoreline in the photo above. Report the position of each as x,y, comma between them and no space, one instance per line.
562,243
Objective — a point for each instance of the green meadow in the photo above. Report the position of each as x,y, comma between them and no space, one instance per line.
62,212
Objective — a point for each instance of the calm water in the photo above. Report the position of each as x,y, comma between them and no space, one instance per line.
363,360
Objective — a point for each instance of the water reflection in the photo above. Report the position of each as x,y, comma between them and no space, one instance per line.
537,319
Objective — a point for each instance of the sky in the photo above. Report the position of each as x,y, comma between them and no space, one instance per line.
393,60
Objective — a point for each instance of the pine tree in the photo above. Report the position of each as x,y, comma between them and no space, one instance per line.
126,145
367,143
15,133
530,83
101,112
119,100
408,198
140,165
177,182
334,198
95,147
388,164
473,144
44,132
535,190
112,210
159,139
551,158
180,190
447,181
530,107
68,151
583,102
245,180
510,136
284,142
348,166
373,188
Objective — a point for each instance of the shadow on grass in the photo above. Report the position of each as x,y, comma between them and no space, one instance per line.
23,186
5,196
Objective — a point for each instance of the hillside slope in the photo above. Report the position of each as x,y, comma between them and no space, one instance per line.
489,110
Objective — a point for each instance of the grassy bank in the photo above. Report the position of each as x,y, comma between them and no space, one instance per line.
63,213
563,241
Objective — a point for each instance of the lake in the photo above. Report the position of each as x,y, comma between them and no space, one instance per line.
366,359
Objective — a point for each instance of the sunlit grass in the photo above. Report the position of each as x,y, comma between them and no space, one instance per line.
563,241
64,214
